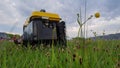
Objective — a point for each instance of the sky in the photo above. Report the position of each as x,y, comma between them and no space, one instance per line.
13,14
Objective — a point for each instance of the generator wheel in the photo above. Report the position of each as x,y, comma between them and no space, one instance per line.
62,34
25,43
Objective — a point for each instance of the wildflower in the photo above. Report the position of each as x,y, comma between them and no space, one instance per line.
97,14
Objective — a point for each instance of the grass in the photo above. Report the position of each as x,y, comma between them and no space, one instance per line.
92,54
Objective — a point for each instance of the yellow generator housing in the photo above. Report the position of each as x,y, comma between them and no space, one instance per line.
44,28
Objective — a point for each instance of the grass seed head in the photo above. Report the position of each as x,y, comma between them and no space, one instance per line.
74,49
66,60
48,46
63,50
58,57
80,59
74,57
59,50
118,64
68,50
106,50
48,66
95,49
47,54
78,46
118,46
107,63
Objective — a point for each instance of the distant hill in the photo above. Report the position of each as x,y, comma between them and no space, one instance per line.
8,35
109,37
3,35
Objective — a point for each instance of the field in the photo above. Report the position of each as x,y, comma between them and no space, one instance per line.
92,54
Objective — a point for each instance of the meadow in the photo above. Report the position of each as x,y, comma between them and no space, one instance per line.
77,54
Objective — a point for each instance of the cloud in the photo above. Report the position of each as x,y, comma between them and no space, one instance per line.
112,9
110,26
14,13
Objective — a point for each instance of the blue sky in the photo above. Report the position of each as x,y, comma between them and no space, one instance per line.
13,13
